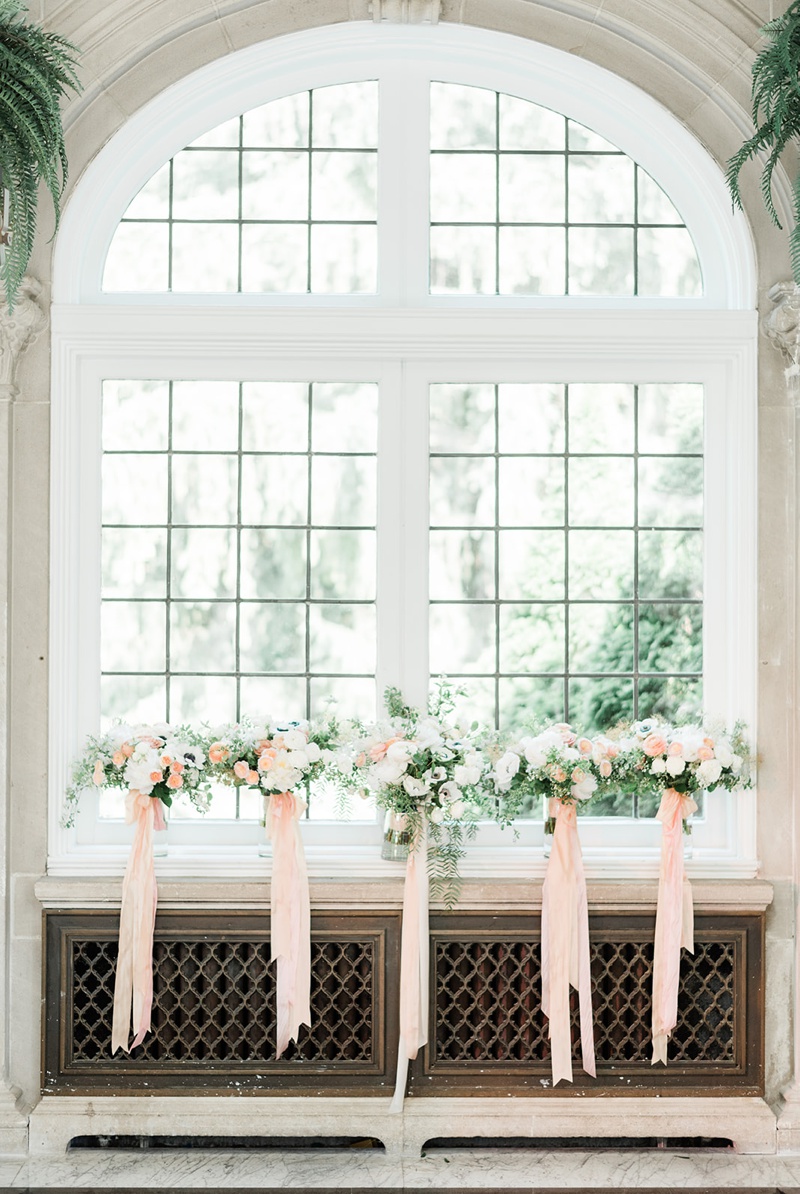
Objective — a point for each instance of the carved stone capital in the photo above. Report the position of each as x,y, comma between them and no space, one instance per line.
17,329
406,12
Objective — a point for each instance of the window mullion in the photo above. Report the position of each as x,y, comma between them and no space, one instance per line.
403,185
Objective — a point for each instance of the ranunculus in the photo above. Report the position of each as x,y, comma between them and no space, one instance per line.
675,765
709,772
654,744
658,766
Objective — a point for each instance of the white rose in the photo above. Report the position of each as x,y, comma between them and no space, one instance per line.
415,787
535,756
474,758
736,764
658,766
295,740
390,771
400,752
437,815
723,752
675,765
709,772
300,759
343,762
585,788
456,809
466,775
313,751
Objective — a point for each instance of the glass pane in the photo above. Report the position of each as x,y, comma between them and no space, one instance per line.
282,122
672,697
671,564
670,491
463,188
596,704
273,564
203,563
583,140
653,206
531,418
138,259
343,566
668,262
609,804
327,803
275,258
478,703
152,201
532,188
202,699
601,564
601,492
344,186
205,416
132,636
671,418
274,185
601,418
205,257
670,638
205,489
532,564
134,563
463,261
135,413
275,490
601,190
532,638
133,699
462,117
224,135
205,185
202,631
343,259
349,697
601,261
344,417
462,491
526,701
532,260
461,564
265,697
343,491
345,116
531,492
275,416
462,418
527,126
272,637
601,638
462,639
342,638
135,489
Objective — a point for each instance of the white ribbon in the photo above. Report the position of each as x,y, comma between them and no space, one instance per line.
414,963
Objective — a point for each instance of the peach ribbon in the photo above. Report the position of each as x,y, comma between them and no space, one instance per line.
414,963
565,945
290,917
674,919
133,984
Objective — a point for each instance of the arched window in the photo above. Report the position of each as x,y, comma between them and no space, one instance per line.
394,352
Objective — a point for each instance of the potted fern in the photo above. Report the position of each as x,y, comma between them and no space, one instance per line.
776,116
37,69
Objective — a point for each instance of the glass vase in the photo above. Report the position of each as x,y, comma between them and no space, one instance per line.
161,836
687,839
548,816
396,838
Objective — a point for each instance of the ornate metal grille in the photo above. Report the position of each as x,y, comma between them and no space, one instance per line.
213,1001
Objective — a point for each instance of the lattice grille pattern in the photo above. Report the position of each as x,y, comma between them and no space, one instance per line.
488,1003
214,1001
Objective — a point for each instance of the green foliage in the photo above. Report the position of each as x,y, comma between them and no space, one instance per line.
776,116
37,68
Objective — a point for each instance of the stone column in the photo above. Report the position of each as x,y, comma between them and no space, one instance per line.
782,327
17,329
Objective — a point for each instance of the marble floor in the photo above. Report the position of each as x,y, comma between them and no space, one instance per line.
478,1170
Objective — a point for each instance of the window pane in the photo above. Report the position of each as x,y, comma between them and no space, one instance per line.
532,491
275,416
274,185
205,257
601,492
344,259
342,638
205,185
462,491
670,418
344,417
274,490
601,418
531,418
201,631
532,638
125,623
532,261
601,189
671,491
462,639
203,563
531,564
205,489
462,418
532,188
275,258
462,117
343,491
463,260
135,414
135,563
135,489
205,416
272,637
273,564
463,188
601,261
462,564
343,565
601,564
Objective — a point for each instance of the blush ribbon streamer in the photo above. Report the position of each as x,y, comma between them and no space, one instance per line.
290,917
414,963
133,984
674,919
565,945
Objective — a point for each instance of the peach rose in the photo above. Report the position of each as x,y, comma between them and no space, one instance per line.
156,777
175,780
585,746
176,767
127,749
252,777
241,769
218,753
166,760
118,758
559,775
675,749
605,768
705,752
578,776
98,775
654,744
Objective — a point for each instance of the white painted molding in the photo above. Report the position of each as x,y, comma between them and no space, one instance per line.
18,328
406,12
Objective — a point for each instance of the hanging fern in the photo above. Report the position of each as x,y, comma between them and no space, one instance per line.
776,116
37,68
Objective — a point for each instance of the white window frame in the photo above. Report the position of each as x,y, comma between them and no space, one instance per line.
404,338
